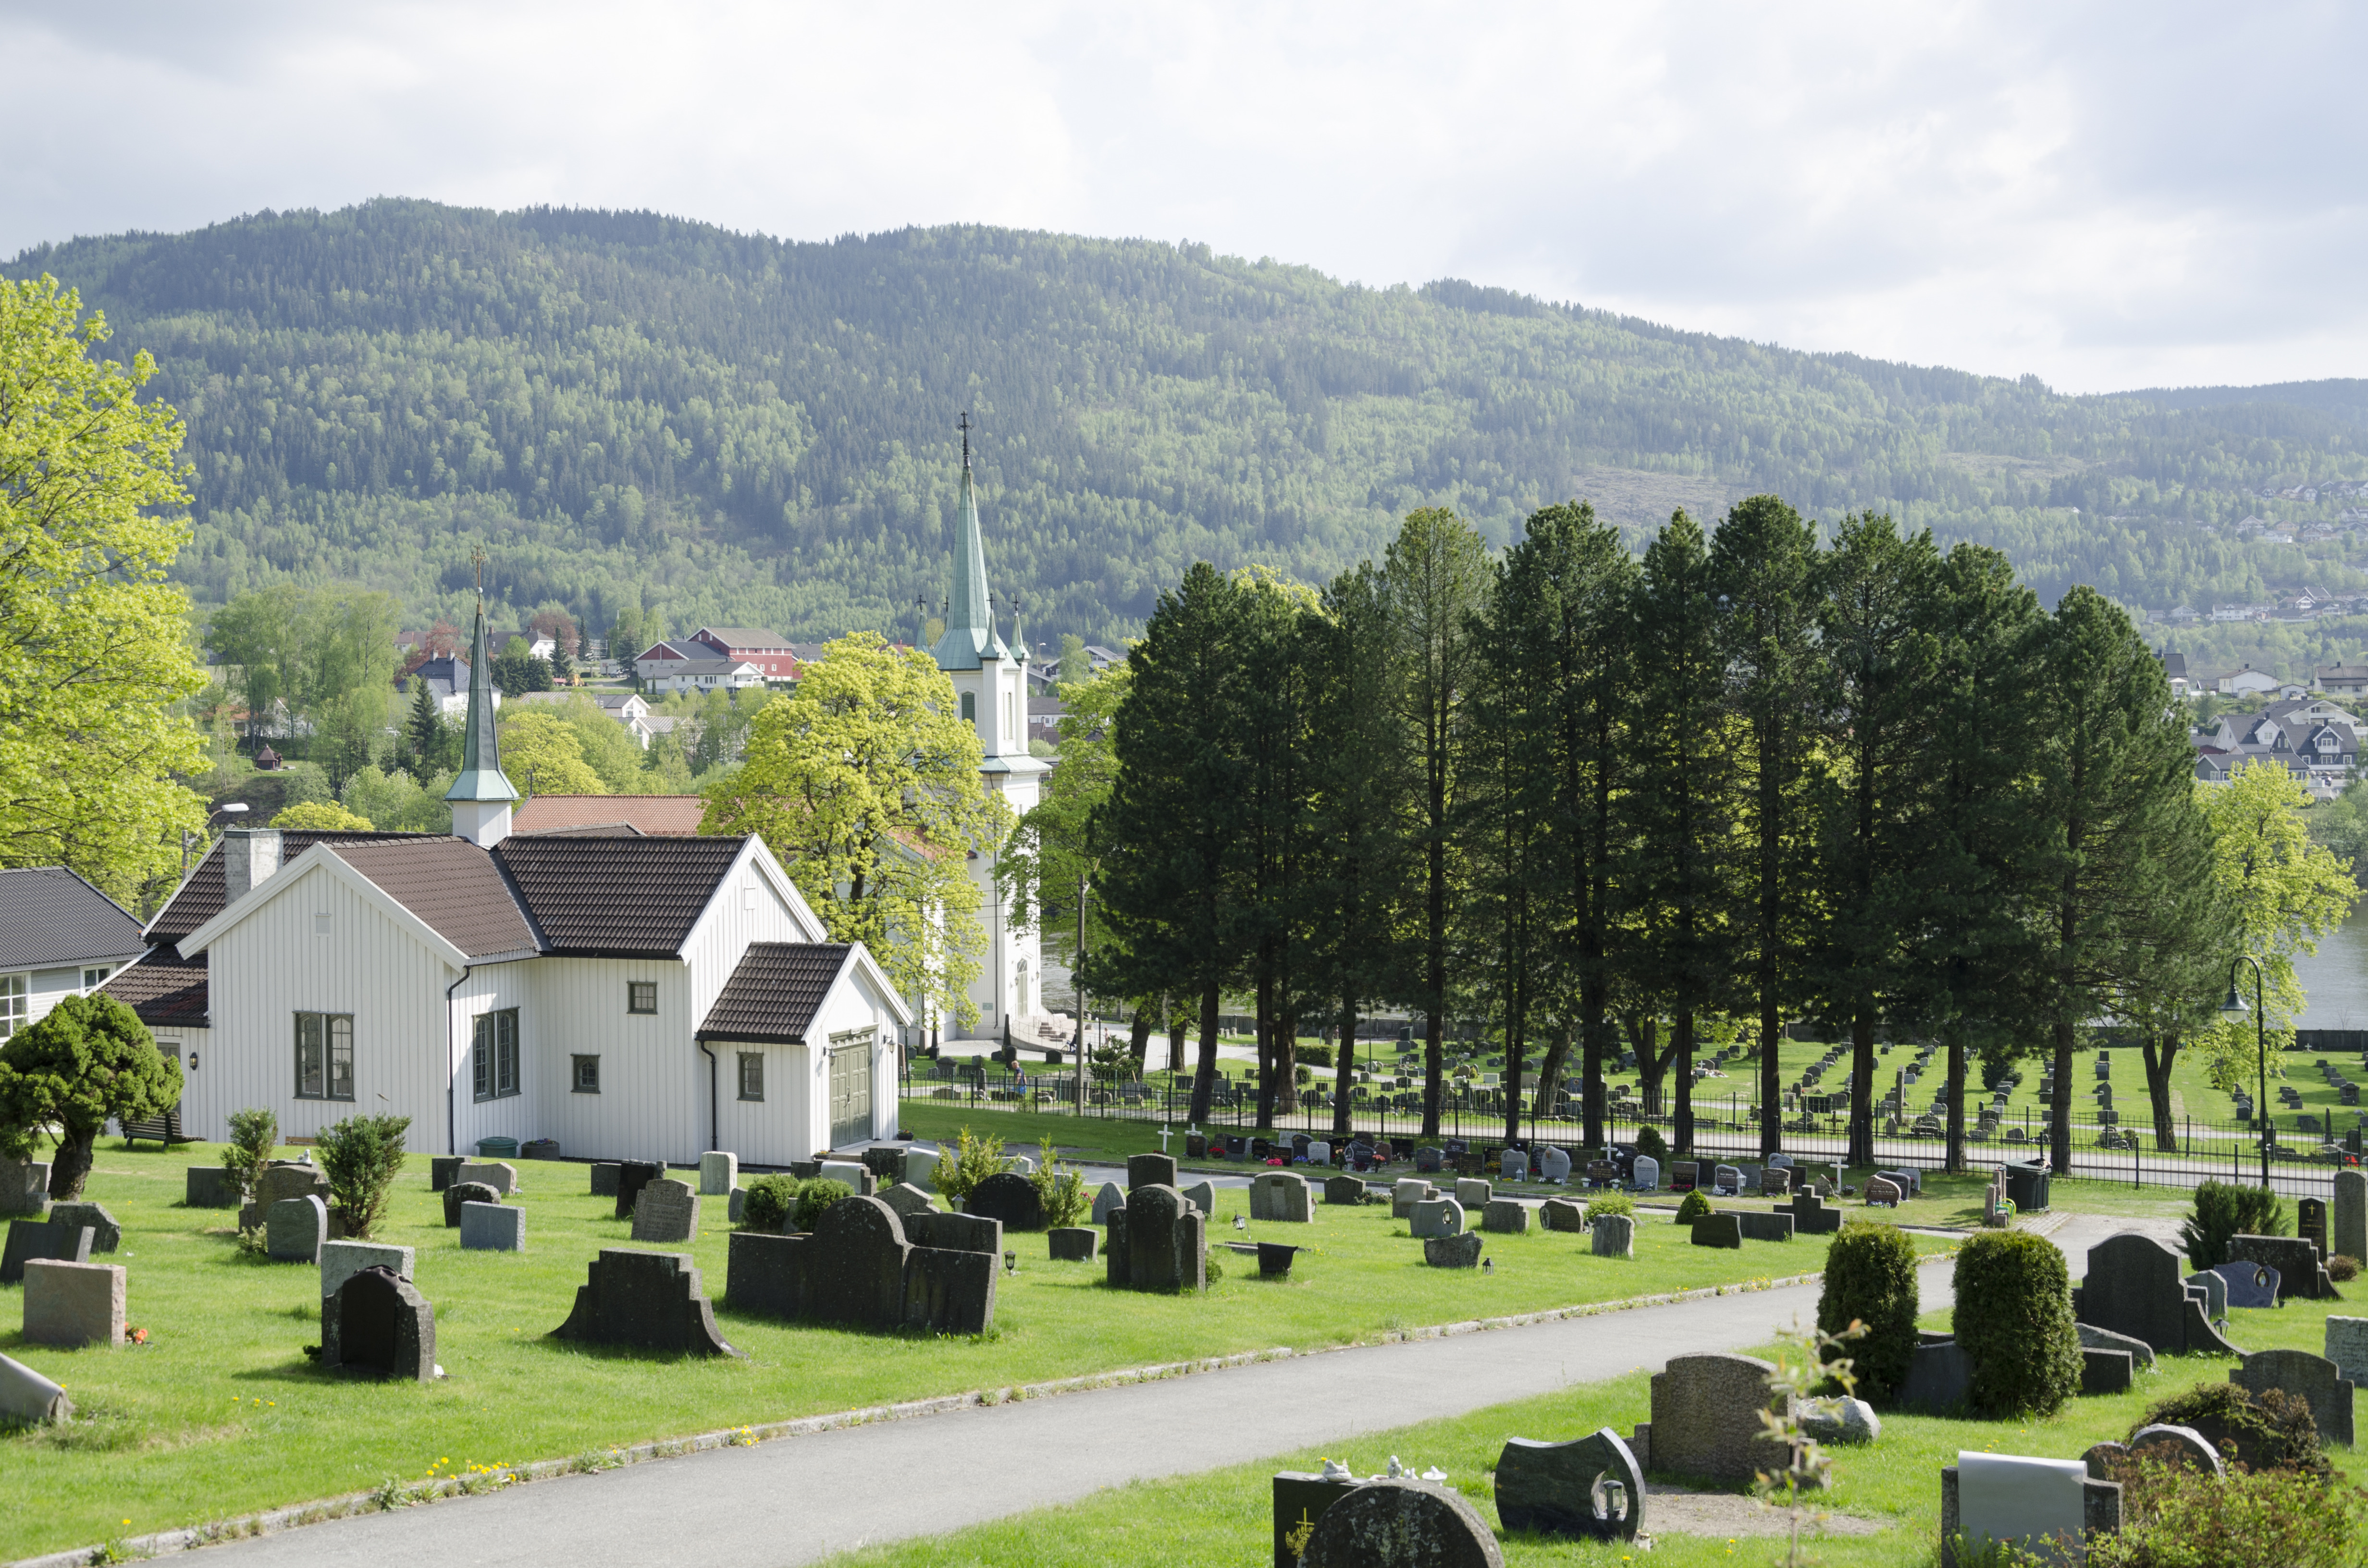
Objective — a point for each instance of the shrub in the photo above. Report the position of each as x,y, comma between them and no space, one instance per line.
2174,1517
1315,1056
2342,1269
1870,1278
254,1133
814,1197
2013,1321
2224,1209
1692,1207
361,1156
2269,1431
1600,1205
772,1200
1063,1192
1649,1142
88,1061
976,1158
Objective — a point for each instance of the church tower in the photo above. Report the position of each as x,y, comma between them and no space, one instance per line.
991,683
481,797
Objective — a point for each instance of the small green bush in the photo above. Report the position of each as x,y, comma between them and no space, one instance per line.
1315,1056
814,1197
1693,1205
976,1158
361,1156
254,1133
2271,1431
2013,1322
2175,1517
2342,1267
1870,1278
1650,1141
2224,1209
770,1200
1600,1205
1062,1191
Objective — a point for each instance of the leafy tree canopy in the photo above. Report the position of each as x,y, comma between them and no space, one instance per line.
87,1060
321,815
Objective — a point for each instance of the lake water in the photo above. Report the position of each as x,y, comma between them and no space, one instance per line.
2335,977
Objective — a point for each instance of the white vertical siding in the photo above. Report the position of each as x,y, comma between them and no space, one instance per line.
778,1129
489,988
652,1098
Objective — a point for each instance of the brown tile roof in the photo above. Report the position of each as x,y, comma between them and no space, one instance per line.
660,815
200,897
593,897
451,884
771,997
164,989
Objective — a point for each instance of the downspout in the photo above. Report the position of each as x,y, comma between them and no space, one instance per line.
451,1128
714,1132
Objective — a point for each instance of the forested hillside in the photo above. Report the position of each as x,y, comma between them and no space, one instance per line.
729,427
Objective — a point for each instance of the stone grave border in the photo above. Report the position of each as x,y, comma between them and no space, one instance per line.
273,1521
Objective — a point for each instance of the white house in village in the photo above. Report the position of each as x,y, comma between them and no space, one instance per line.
60,937
631,996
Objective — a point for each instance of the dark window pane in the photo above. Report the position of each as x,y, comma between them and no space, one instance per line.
341,1058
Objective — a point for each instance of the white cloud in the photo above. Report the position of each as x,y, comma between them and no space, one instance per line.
2109,196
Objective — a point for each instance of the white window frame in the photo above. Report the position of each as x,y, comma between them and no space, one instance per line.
15,1003
494,1055
752,1066
324,1056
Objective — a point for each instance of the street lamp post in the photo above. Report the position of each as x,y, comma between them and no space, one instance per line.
235,809
2234,1007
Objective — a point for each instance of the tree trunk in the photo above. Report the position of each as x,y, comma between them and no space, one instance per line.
1651,1066
1286,1061
1138,1036
1861,1108
1592,1023
2059,1115
1682,1123
1263,999
70,1162
1344,1072
1956,1162
2158,1074
1205,1076
1179,1024
1551,1070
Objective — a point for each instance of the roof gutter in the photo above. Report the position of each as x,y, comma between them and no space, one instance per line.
714,1107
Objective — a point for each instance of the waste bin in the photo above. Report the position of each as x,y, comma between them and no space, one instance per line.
497,1148
2026,1186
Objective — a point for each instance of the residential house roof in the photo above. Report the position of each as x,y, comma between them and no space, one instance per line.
676,648
199,899
452,886
772,997
50,917
707,665
164,989
742,636
659,815
615,897
446,675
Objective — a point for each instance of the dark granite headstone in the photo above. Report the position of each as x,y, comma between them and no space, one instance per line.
2301,1375
461,1192
860,1266
1453,1251
1344,1189
1718,1231
2247,1284
1196,1146
1938,1378
2104,1371
956,1233
1300,1499
376,1325
631,1176
1010,1198
1150,1170
31,1239
442,1168
1811,1215
2300,1271
604,1179
1402,1524
646,1301
2310,1224
106,1235
2135,1286
1074,1243
1157,1243
1757,1226
1590,1490
2183,1445
210,1186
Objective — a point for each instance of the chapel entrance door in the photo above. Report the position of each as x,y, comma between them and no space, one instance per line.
850,1092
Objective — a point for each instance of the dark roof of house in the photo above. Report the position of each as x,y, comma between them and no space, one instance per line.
602,897
451,885
165,989
771,997
200,897
50,917
654,814
742,636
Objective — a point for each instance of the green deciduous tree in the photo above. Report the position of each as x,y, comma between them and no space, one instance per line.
87,1062
542,754
94,655
865,784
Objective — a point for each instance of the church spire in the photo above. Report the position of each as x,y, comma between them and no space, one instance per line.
481,794
970,639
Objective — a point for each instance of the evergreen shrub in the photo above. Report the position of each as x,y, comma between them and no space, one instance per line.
1602,1205
1693,1205
772,1200
1870,1278
361,1156
1649,1142
2223,1210
254,1133
814,1196
2013,1322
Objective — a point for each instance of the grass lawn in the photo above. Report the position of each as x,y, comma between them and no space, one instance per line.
220,1413
1223,1516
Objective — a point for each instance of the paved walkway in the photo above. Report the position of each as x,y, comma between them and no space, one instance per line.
767,1507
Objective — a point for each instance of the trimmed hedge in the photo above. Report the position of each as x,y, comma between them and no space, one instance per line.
1870,1278
1692,1207
2014,1324
815,1195
2225,1208
1650,1141
770,1200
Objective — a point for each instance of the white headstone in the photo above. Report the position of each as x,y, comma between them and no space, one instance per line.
27,1397
499,1174
340,1261
921,1168
2013,1499
1110,1197
719,1173
1319,1153
1647,1177
849,1171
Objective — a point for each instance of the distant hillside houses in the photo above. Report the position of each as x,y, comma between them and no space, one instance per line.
2313,738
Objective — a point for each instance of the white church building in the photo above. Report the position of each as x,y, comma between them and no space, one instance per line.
629,997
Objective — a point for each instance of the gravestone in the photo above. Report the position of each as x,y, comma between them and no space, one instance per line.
1727,1179
954,1233
2016,1500
2216,1292
719,1173
206,1186
1408,1192
1705,1418
1107,1198
909,1201
1562,1214
1505,1217
631,1176
1883,1190
1759,1226
1401,1524
1196,1146
863,1182
2181,1445
1473,1192
69,1303
1203,1197
2095,1338
604,1179
1319,1153
1010,1198
295,1229
442,1170
340,1261
2348,1216
1513,1164
666,1211
499,1174
1453,1251
1344,1189
2310,1224
1074,1243
1150,1170
106,1235
1907,1181
28,1399
646,1300
1281,1196
461,1192
2133,1286
921,1168
1592,1489
377,1326
1938,1378
278,1182
2105,1371
1718,1231
1775,1181
37,1239
1554,1164
492,1227
24,1188
2347,1347
1300,1499
1613,1236
1811,1217
2246,1284
1851,1421
2300,1272
1436,1217
1429,1161
2313,1378
1157,1243
1646,1174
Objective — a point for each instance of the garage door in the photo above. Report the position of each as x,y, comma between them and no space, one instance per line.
851,1088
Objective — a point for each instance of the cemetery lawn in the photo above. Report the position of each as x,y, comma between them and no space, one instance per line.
1223,1516
220,1413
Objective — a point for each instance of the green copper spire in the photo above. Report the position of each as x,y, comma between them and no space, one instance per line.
970,639
481,753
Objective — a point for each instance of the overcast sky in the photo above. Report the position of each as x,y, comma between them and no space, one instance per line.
2108,196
